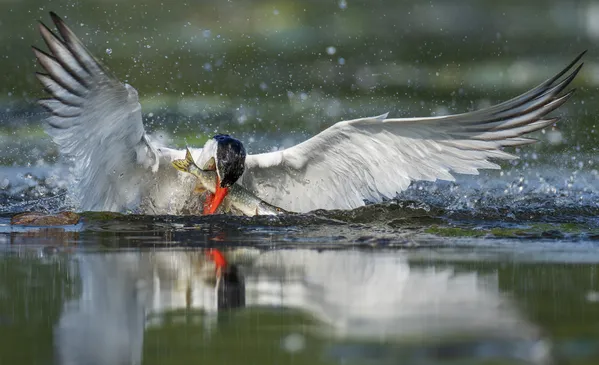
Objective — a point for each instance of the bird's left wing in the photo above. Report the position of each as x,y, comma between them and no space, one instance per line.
96,120
371,159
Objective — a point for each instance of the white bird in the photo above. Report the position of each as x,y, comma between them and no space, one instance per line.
97,121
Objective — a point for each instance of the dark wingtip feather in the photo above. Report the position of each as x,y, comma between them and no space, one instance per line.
62,27
38,52
41,58
60,24
566,96
563,84
48,34
529,140
45,60
41,26
42,78
55,18
552,120
87,61
567,68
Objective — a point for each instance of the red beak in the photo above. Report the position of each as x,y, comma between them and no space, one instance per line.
213,201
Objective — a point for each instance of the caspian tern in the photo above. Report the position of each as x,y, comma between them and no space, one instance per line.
97,120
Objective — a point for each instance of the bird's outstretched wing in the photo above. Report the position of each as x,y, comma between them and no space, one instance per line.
374,158
95,120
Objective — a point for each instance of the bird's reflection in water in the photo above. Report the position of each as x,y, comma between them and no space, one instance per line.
229,283
355,296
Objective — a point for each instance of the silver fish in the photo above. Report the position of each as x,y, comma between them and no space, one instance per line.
238,197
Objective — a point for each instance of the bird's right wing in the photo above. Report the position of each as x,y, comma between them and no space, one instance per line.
96,120
370,159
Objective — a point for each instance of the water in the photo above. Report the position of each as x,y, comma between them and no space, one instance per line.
446,274
451,301
500,268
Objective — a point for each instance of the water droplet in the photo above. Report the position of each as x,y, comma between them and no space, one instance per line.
294,342
593,296
331,50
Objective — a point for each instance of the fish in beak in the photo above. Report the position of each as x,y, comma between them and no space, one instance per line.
239,199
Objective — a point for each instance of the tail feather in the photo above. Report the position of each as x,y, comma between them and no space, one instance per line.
184,165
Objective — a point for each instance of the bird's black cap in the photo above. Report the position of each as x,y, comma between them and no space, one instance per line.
230,157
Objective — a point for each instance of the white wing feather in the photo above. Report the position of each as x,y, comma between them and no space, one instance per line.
96,120
371,159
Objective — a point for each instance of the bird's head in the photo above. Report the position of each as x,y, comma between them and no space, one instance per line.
230,159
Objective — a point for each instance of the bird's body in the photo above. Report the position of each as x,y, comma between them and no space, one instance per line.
97,120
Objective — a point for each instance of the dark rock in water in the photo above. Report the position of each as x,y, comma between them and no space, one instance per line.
43,219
